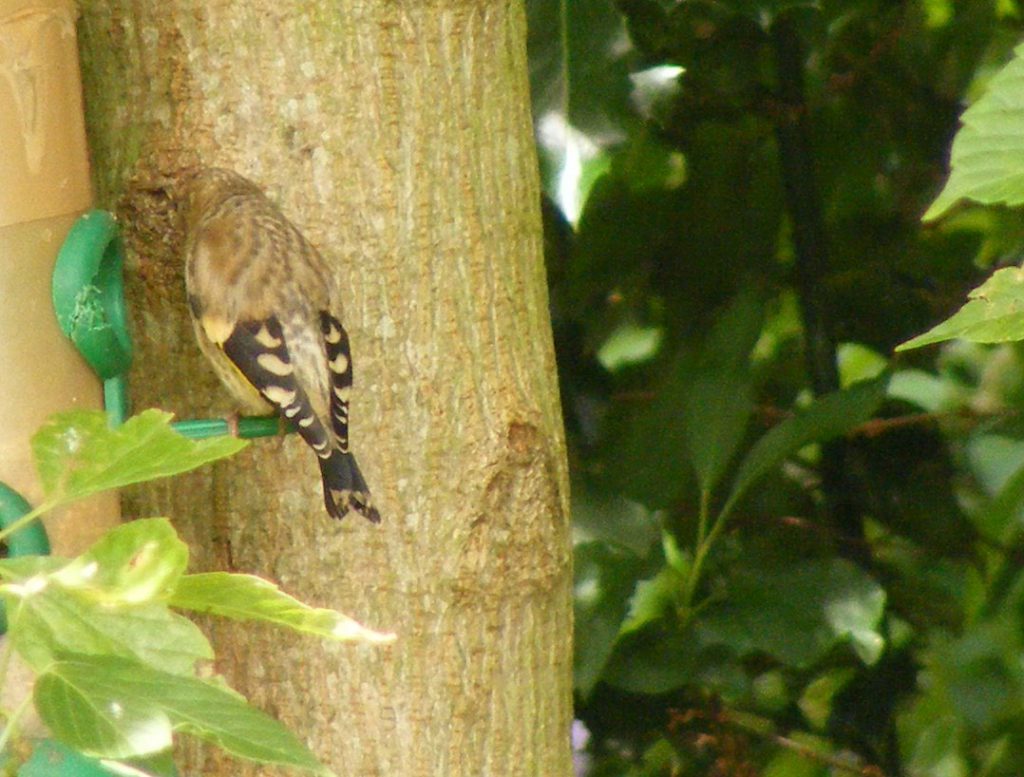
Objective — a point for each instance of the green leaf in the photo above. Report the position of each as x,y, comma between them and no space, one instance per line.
114,708
604,579
827,417
994,313
251,598
798,613
574,68
136,562
655,660
78,454
700,413
987,162
21,568
717,403
817,701
653,598
109,722
46,621
107,601
611,518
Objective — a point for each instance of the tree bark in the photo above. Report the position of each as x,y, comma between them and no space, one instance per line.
398,137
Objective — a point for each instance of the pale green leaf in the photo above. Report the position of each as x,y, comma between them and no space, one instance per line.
987,162
46,621
77,453
111,707
994,313
133,563
251,598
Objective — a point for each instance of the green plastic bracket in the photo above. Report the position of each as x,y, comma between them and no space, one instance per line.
88,298
88,294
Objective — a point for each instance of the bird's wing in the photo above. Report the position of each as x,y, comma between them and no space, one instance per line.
339,363
259,351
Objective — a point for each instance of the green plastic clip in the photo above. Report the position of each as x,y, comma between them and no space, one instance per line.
88,294
88,298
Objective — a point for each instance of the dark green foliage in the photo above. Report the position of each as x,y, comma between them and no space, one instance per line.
774,576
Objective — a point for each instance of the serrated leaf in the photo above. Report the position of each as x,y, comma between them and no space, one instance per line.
994,313
987,161
114,708
251,598
798,613
77,454
827,417
135,562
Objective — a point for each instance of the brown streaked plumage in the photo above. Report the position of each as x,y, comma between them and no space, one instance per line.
267,316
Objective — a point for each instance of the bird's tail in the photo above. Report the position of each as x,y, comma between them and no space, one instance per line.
344,487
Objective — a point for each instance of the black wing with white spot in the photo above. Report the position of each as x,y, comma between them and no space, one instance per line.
259,350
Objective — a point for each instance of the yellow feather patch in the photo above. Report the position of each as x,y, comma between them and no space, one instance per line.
274,364
267,340
339,364
279,396
333,335
217,328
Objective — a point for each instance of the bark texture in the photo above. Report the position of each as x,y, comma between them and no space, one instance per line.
397,136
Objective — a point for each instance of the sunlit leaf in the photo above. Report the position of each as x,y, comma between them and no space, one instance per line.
251,598
45,621
112,707
77,453
987,163
994,313
136,562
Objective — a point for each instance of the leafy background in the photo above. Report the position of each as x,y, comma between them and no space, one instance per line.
797,550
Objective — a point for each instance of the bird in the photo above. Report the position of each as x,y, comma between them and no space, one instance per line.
266,312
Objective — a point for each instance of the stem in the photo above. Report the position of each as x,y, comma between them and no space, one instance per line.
803,201
26,519
705,539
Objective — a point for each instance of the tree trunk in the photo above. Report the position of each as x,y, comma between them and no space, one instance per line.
397,136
